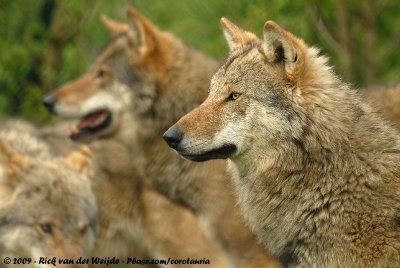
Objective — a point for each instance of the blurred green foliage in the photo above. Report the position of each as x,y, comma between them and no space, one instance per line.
45,43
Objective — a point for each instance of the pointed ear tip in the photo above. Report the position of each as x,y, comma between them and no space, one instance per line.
271,25
225,22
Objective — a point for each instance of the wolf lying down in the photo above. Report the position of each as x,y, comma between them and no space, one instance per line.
47,207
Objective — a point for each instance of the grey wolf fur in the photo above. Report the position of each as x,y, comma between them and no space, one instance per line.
141,83
47,208
316,169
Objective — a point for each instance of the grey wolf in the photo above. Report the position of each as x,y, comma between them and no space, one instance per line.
316,169
142,82
47,208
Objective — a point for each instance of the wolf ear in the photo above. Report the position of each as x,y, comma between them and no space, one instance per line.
116,28
235,36
142,32
11,162
81,160
282,46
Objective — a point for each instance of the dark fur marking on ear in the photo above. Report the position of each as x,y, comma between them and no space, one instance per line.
279,54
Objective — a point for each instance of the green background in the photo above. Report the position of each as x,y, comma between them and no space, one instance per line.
45,43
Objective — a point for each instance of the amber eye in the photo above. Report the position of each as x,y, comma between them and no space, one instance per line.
47,228
83,229
233,96
101,73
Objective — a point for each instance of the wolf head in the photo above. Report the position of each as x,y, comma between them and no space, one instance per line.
141,83
125,74
47,208
259,94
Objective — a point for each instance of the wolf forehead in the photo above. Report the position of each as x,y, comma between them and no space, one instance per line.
238,54
55,175
240,66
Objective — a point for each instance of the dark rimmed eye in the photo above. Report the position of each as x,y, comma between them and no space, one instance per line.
47,228
101,72
233,96
83,228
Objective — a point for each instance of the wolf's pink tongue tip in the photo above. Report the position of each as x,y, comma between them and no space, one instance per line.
72,131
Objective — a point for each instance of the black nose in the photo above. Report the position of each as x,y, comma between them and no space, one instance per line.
49,101
173,136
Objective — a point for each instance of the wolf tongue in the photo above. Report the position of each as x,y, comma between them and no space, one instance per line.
92,120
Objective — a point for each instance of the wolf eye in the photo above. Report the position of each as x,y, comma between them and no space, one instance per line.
83,228
47,228
101,73
233,96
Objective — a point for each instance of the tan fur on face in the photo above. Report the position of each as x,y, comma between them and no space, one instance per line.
198,116
76,92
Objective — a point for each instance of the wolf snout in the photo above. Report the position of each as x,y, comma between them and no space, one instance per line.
49,101
173,136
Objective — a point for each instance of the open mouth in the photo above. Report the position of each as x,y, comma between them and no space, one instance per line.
221,153
91,124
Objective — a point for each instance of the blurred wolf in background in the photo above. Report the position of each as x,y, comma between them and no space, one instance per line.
316,170
388,98
47,208
141,83
135,221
